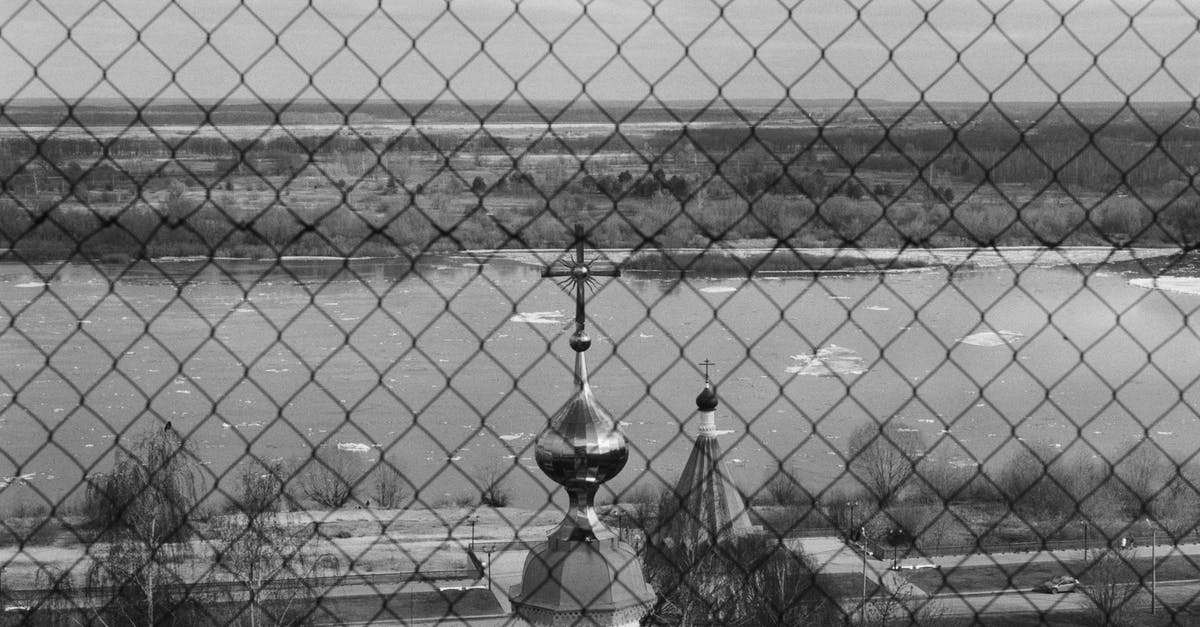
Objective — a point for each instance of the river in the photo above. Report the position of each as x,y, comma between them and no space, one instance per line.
458,363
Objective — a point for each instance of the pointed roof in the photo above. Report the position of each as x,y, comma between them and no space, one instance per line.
707,505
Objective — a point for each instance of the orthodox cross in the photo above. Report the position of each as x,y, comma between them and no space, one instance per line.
578,273
706,363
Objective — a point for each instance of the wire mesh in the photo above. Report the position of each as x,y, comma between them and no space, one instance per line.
278,348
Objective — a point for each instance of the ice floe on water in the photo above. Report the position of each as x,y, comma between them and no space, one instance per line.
31,284
876,308
354,447
538,317
7,481
509,437
991,338
720,289
830,361
1177,284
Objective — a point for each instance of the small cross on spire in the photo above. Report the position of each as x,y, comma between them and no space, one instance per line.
578,273
706,363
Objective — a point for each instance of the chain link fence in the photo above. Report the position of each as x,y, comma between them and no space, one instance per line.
276,345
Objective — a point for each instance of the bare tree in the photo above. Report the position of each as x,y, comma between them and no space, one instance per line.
330,477
144,505
491,479
260,487
1111,594
902,604
882,457
273,566
1142,471
785,490
388,484
740,580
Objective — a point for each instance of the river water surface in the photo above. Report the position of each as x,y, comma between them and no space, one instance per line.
457,364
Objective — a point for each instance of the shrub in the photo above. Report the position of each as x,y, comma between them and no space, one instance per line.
389,488
785,490
260,487
882,458
330,477
491,479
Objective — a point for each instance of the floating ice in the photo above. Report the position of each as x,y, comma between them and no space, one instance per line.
720,289
833,360
538,317
354,447
989,339
512,436
876,308
7,481
242,425
1178,284
31,284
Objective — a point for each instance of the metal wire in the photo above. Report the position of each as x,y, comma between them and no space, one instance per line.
277,344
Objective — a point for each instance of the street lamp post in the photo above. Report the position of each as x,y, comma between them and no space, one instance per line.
472,521
850,523
1085,539
862,607
1153,567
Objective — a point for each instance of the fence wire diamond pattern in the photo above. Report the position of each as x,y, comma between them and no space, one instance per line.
277,345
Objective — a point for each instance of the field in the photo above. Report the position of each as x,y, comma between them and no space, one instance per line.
923,179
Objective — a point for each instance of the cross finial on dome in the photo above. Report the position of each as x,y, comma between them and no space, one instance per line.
706,363
578,273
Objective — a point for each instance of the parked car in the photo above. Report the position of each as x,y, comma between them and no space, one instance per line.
1061,583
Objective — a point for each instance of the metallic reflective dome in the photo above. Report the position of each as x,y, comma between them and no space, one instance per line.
581,449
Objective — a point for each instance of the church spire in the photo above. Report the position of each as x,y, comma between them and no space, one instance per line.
582,575
707,506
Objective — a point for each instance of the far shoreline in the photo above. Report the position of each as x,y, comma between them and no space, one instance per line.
726,260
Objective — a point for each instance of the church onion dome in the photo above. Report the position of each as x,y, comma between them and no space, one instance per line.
707,400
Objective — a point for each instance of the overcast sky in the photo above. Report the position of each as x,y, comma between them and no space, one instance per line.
959,50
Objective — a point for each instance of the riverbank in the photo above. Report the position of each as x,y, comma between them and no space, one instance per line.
732,259
363,541
741,256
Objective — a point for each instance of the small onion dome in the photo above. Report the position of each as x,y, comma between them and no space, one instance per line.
582,446
707,400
